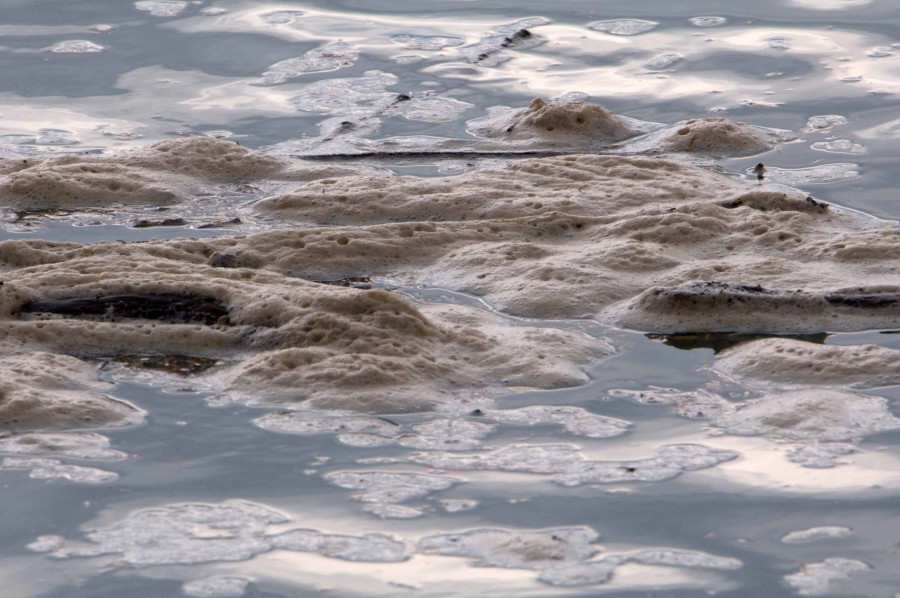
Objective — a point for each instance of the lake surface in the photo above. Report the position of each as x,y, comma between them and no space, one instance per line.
210,498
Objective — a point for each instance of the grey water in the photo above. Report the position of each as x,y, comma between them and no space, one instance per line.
155,70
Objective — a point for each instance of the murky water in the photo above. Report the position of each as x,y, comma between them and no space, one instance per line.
641,481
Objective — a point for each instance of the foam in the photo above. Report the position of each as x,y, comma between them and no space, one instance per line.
786,361
811,415
163,173
43,391
492,50
223,586
815,534
555,123
330,57
456,433
623,26
716,135
161,8
816,579
382,491
52,469
716,306
87,446
302,342
569,468
233,530
569,236
563,557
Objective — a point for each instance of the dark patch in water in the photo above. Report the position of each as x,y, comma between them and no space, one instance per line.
164,222
183,365
355,282
719,341
171,308
220,223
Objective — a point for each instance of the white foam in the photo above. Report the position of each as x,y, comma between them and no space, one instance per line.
76,46
216,587
161,8
811,415
816,579
816,534
330,57
623,26
569,468
52,469
192,533
87,446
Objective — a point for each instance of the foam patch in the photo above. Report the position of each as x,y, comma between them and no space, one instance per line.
43,391
786,361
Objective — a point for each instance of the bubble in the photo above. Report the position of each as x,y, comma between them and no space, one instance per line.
623,26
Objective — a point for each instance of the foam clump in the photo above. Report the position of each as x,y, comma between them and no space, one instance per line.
569,468
811,415
382,491
223,586
163,173
43,391
716,135
86,446
192,533
572,236
302,342
787,361
817,579
52,469
716,306
517,550
560,123
815,534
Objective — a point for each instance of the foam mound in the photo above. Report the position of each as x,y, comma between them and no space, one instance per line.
787,361
716,135
718,306
559,123
43,391
638,241
337,347
163,173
